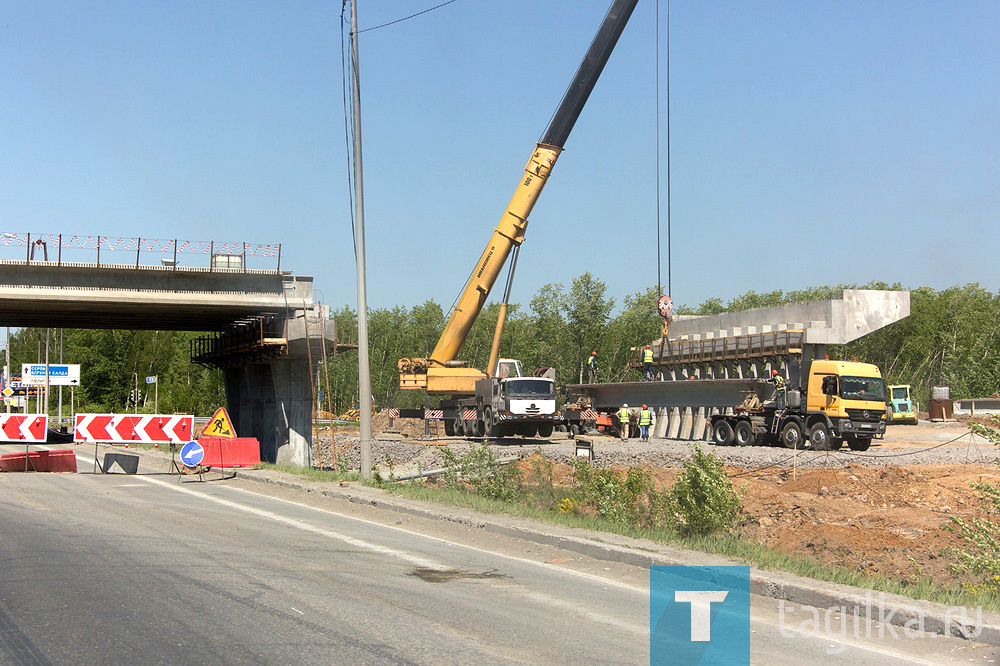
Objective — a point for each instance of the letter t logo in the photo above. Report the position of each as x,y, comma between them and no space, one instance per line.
701,611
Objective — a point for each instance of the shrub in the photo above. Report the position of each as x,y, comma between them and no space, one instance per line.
482,472
703,500
982,558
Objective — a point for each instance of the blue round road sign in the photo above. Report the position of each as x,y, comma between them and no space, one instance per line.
192,454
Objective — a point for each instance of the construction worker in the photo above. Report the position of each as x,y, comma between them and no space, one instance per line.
592,368
647,364
645,421
779,389
623,419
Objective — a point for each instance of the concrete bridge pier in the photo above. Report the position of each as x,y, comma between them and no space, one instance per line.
272,398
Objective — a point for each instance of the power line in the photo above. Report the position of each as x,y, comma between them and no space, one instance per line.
405,18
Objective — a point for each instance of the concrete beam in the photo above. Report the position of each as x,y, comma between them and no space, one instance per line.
694,393
838,321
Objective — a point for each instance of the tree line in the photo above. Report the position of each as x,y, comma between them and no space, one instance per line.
950,338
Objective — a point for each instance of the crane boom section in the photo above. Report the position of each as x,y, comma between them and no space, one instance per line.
508,233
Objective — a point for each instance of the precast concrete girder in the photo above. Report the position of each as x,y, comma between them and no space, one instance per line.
672,394
837,321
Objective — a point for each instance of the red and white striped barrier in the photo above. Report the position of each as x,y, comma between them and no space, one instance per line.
23,427
469,415
150,428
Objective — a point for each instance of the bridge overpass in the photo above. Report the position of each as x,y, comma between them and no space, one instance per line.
263,326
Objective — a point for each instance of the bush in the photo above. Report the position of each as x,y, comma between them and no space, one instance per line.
624,500
480,470
982,559
703,500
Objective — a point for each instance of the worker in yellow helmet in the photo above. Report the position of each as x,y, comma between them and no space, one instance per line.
645,422
623,419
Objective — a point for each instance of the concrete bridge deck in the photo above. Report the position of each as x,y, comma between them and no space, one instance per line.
123,296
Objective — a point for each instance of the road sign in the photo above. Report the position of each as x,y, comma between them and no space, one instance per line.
150,428
192,454
23,427
59,375
8,392
220,425
151,380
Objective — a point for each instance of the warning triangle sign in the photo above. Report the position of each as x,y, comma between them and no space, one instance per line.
220,425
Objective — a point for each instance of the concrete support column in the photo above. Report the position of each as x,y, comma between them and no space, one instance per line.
687,423
660,427
674,427
698,430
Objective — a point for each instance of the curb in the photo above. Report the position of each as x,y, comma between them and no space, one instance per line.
910,614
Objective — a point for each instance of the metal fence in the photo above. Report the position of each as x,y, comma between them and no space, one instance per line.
57,248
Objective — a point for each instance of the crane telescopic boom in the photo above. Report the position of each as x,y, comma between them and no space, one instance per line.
441,373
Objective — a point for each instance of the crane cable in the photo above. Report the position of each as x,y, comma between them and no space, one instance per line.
659,278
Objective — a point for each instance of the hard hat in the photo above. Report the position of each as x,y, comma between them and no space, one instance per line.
593,353
647,346
645,407
774,372
625,405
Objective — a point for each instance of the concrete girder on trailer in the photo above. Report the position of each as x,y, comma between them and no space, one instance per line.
837,321
719,393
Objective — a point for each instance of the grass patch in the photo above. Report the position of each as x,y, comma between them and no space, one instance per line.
311,473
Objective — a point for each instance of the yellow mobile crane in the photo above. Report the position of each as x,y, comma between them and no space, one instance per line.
500,400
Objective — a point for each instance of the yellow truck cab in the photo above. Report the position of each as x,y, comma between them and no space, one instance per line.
847,399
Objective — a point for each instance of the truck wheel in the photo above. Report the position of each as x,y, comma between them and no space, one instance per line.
820,438
743,433
490,427
529,429
545,430
858,443
574,430
722,433
449,427
791,435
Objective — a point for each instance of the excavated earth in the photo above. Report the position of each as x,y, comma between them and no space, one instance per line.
882,511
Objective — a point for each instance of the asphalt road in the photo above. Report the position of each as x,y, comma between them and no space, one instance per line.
116,569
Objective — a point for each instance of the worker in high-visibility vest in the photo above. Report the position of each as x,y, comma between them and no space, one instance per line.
779,388
623,419
592,368
647,364
645,422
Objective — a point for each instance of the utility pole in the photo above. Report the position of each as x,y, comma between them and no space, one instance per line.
60,362
7,378
46,412
364,370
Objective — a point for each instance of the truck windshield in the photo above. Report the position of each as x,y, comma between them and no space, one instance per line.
862,388
899,394
539,387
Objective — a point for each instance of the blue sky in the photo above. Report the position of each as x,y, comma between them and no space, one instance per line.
812,142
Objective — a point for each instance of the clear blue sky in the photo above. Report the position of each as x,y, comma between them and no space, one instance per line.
812,142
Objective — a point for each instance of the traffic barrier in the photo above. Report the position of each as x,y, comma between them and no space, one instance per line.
236,452
61,460
127,462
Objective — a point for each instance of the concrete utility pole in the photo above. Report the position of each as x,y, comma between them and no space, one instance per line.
364,371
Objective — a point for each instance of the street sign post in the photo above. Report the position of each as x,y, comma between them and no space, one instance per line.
33,374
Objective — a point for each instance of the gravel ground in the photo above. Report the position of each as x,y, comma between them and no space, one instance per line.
929,446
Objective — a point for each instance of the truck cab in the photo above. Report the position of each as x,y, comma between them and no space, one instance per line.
849,399
900,405
512,404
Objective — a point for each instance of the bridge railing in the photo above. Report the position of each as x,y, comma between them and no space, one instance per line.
123,252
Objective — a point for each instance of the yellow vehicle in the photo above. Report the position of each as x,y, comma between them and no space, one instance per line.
482,402
833,403
900,405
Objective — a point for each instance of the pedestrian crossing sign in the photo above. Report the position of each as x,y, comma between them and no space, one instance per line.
220,425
